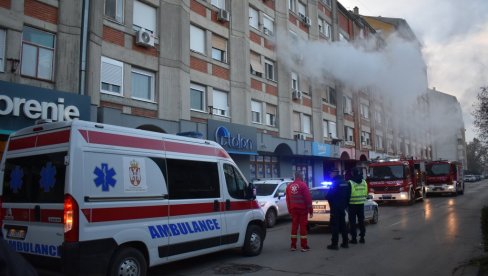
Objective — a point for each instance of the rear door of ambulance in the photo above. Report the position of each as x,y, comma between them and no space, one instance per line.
33,177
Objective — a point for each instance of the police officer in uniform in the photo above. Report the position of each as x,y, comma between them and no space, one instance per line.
299,204
359,192
338,197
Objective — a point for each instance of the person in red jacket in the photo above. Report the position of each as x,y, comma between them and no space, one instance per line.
299,203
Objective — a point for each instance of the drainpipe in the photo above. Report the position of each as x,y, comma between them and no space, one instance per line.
83,45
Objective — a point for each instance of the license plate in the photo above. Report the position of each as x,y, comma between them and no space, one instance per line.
16,232
319,207
386,197
320,211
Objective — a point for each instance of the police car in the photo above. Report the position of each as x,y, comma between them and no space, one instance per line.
270,193
321,208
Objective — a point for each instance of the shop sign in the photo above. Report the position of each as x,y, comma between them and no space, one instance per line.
232,137
21,105
321,149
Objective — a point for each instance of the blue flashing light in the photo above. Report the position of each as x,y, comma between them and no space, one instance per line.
326,184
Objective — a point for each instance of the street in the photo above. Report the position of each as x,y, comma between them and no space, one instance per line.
435,237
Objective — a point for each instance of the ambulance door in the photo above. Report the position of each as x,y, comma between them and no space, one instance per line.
236,205
195,220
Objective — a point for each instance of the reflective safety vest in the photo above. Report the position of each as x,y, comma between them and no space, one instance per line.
359,192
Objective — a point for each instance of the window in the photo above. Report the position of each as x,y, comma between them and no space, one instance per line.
330,129
256,66
365,138
111,78
302,9
264,167
3,38
202,182
379,141
270,115
389,144
236,184
253,18
220,106
219,4
292,5
197,39
144,16
327,29
342,37
349,131
327,2
347,105
296,122
142,84
37,53
377,116
197,97
268,25
219,48
332,96
293,35
364,111
115,10
321,23
256,111
270,69
306,124
294,81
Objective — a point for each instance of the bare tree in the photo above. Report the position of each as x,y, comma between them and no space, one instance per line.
481,114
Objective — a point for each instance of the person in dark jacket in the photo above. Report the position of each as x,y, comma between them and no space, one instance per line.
12,263
338,196
299,204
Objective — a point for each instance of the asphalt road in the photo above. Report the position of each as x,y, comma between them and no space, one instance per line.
435,237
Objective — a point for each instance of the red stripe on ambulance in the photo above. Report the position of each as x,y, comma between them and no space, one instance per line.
41,140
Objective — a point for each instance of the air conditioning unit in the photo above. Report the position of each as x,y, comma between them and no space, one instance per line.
144,38
300,136
267,31
296,94
307,21
223,15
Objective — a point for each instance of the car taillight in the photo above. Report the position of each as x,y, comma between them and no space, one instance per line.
71,219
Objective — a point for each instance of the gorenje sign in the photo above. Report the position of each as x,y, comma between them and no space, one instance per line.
21,105
33,109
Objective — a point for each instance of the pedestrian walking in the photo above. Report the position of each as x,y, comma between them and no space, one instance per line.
299,204
338,196
359,192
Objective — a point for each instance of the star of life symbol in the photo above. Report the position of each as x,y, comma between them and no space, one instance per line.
105,177
294,188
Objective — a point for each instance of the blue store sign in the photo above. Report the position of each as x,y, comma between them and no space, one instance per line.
21,105
233,138
320,149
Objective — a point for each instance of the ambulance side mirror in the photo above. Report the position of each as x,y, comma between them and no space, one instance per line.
251,192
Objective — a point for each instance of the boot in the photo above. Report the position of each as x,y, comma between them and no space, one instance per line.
361,240
333,247
353,241
344,245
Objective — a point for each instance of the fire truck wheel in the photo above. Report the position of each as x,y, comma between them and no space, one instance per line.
253,243
412,197
462,190
127,261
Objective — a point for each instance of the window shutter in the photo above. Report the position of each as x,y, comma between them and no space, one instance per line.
111,73
256,63
144,16
219,43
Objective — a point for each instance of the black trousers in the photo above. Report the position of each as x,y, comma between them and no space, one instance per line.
338,224
356,220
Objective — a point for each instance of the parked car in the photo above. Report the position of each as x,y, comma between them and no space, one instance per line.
321,208
270,194
470,178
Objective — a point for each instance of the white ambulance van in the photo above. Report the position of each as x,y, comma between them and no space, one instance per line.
95,199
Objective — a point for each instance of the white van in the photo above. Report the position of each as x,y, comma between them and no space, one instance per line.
95,199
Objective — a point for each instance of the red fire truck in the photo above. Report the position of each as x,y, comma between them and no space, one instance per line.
444,177
401,180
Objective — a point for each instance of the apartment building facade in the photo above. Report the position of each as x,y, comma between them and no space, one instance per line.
206,68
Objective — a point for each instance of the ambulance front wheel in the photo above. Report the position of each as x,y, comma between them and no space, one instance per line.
128,261
253,243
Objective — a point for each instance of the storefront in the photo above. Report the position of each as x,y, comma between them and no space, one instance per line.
22,105
327,159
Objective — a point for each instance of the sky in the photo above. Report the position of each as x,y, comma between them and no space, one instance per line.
454,36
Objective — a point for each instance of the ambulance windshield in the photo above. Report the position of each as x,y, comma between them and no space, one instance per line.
35,178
